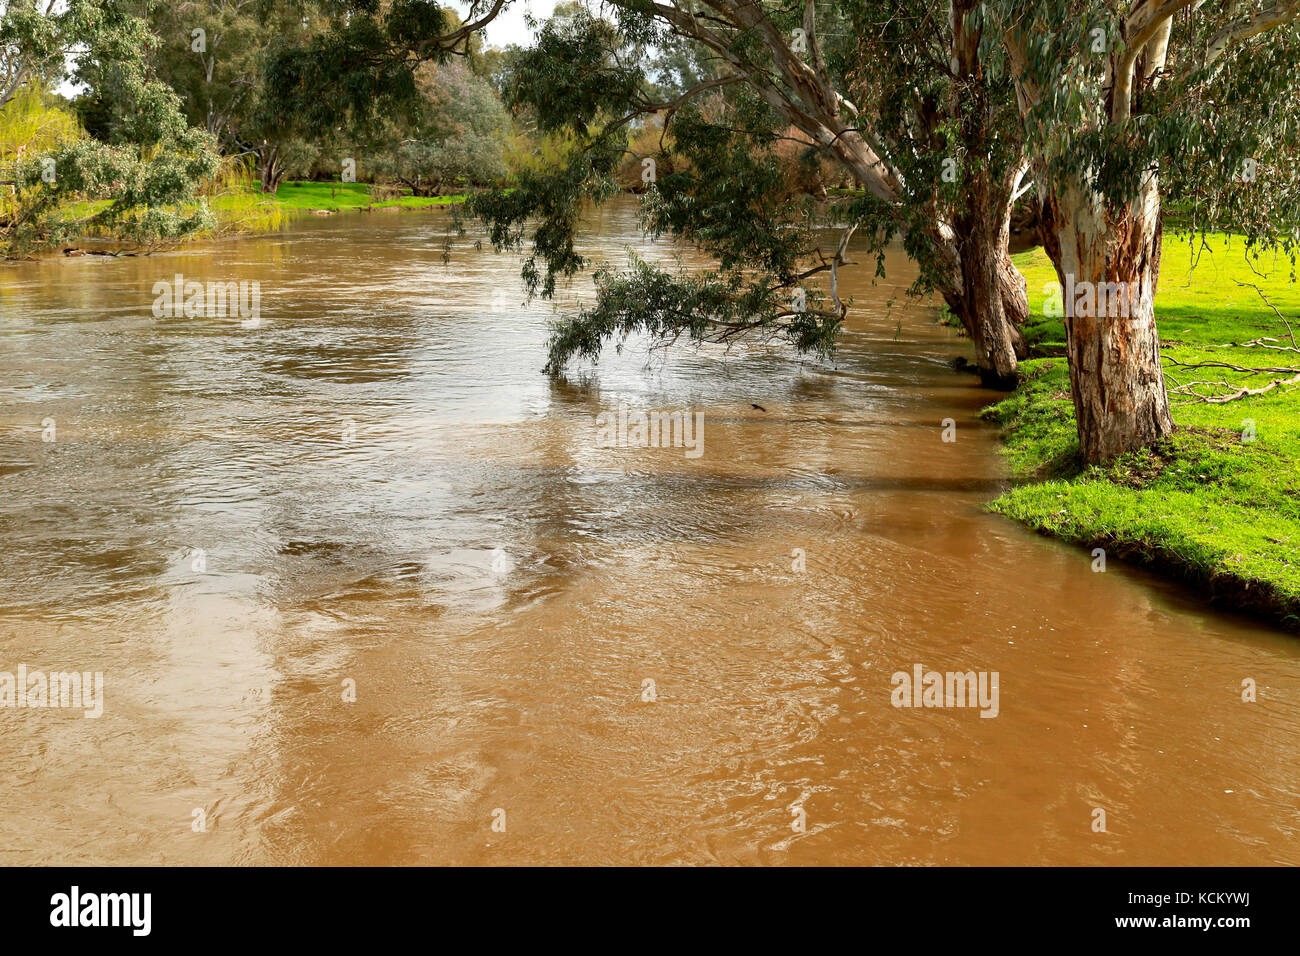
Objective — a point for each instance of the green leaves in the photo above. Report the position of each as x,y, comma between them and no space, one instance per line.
139,183
346,76
152,200
572,75
550,201
1222,134
732,199
462,137
412,22
705,307
356,68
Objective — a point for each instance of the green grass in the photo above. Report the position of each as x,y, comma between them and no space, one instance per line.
307,197
242,209
246,210
1206,505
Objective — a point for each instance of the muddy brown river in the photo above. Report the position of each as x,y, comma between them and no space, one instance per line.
367,588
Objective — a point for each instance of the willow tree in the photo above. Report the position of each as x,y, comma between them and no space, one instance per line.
923,133
1120,100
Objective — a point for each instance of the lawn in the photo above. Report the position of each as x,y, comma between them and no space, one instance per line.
1217,504
242,209
300,197
246,210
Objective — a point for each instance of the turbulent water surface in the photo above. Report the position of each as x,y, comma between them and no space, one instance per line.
375,488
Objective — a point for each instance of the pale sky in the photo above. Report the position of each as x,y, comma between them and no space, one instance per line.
509,27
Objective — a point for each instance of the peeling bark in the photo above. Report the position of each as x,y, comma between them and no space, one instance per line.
1116,379
987,293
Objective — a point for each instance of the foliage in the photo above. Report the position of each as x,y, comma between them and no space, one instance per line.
719,183
214,54
461,137
36,38
366,55
1218,121
147,165
35,122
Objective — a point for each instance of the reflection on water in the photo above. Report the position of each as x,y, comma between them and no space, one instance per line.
382,491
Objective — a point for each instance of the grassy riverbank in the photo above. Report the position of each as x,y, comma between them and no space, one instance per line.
244,211
1219,503
240,209
335,197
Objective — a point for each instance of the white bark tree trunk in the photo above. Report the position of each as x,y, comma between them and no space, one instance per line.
1108,261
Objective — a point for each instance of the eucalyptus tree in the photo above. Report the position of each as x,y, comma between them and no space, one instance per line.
37,37
1118,100
213,54
1110,96
937,89
913,105
461,137
144,165
928,143
210,54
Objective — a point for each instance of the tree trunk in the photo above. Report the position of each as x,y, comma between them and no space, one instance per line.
988,293
990,300
1015,299
1107,259
270,166
270,169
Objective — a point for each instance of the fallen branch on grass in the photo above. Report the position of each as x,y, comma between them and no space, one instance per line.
1221,392
1244,391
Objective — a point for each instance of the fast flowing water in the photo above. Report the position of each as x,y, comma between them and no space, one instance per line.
375,493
